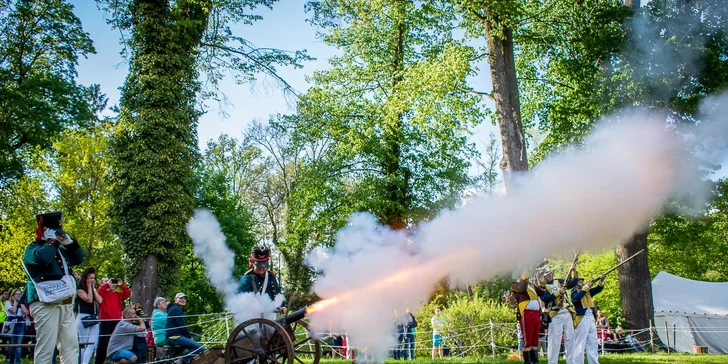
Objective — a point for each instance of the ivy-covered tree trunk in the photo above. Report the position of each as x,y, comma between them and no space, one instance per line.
501,59
155,147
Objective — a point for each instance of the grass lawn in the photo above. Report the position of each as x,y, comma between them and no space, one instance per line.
604,359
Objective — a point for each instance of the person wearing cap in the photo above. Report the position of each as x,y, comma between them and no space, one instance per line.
560,313
585,322
529,315
43,260
259,279
177,332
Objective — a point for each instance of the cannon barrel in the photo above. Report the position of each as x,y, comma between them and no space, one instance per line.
292,317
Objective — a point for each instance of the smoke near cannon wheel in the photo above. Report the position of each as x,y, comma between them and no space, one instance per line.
210,247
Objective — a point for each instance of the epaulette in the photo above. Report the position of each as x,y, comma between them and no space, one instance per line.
271,272
249,271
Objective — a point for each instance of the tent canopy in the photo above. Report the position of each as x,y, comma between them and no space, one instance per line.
690,313
673,294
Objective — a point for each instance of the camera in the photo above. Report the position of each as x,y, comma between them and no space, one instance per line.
114,280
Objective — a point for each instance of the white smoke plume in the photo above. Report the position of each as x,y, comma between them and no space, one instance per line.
209,245
593,198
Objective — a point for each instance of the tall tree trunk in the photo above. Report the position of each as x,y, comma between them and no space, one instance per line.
634,283
499,39
634,277
144,287
396,175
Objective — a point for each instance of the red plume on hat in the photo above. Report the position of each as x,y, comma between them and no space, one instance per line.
51,220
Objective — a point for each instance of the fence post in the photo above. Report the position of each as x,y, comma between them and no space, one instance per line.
492,340
667,333
652,338
227,325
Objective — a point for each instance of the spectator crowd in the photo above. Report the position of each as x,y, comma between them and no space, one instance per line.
82,318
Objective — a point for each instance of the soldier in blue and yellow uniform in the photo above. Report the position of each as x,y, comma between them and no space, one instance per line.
585,322
259,279
529,315
560,312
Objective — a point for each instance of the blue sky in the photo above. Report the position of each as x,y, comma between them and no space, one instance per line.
284,27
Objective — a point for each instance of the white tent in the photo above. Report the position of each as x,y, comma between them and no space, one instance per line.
691,313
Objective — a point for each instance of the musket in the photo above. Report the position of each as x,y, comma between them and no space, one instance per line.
610,270
573,266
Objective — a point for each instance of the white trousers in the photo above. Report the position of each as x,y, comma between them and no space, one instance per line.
55,325
560,324
586,340
87,335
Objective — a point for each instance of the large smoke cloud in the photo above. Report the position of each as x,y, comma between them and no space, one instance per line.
592,198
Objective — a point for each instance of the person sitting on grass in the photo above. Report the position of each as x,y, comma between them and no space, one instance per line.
122,339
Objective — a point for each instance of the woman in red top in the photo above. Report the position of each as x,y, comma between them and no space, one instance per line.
114,293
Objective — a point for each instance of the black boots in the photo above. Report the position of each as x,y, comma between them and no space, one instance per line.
534,356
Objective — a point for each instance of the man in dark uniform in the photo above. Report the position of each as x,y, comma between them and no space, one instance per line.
48,259
259,279
529,315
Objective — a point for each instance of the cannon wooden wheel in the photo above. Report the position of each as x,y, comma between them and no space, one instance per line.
259,340
305,343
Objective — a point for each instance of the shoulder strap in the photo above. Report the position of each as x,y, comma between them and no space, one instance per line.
265,283
65,267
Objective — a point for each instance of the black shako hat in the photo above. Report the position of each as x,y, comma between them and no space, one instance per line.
51,220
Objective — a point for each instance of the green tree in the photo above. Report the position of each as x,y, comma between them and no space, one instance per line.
73,178
79,171
40,43
21,202
395,105
220,189
171,44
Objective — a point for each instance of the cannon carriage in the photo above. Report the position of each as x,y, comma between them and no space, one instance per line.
286,340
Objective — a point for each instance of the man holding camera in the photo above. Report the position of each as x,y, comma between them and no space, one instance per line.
114,293
122,338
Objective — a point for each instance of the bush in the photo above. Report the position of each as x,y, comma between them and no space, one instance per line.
467,323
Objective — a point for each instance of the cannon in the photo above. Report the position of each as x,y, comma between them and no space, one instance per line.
262,340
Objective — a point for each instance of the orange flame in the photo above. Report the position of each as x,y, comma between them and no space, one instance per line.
384,283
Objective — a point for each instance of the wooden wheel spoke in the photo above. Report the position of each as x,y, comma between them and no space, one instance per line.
301,342
278,348
275,359
263,334
240,360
